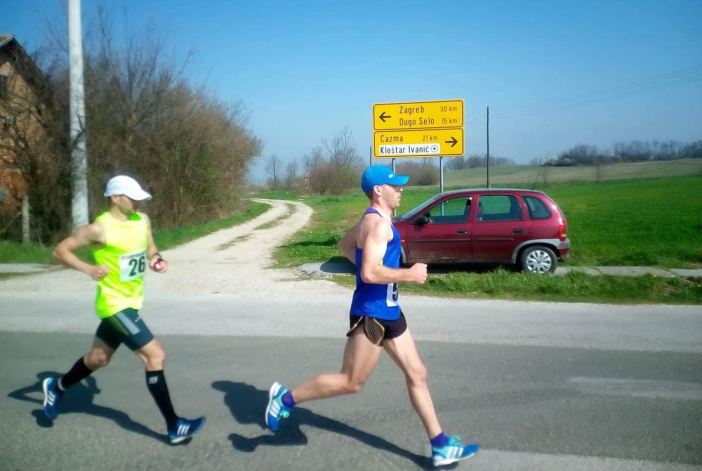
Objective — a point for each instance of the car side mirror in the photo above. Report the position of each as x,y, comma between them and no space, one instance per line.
421,220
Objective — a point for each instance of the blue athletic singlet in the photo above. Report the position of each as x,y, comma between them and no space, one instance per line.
372,300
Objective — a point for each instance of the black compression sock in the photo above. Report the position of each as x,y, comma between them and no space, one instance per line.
77,373
156,382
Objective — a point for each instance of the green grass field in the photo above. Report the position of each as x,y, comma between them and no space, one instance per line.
531,176
654,222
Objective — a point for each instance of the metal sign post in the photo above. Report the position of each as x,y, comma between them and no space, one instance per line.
441,174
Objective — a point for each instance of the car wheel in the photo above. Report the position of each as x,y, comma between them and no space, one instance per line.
538,259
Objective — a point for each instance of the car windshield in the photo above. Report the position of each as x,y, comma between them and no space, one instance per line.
413,212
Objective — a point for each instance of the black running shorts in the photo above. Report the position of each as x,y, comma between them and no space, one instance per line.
125,327
377,330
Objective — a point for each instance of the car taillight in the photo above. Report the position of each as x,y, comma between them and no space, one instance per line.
562,228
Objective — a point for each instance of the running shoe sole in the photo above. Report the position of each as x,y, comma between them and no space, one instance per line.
445,461
45,388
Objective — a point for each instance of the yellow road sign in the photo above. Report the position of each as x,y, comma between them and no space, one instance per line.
418,143
418,115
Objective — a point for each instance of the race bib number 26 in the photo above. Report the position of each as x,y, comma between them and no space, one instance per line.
132,266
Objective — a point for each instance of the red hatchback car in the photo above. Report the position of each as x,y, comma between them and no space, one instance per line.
521,227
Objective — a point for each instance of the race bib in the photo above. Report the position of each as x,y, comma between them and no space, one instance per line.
393,295
132,266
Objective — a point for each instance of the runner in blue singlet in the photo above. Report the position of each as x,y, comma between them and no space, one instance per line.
377,300
376,321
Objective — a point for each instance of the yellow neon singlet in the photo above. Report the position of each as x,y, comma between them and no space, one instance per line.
124,254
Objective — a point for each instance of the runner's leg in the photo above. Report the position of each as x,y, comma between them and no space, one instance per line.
360,359
99,356
54,387
404,353
154,357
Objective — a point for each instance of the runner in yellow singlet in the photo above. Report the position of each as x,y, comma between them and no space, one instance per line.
123,247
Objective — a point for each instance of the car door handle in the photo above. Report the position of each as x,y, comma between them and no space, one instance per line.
517,230
461,231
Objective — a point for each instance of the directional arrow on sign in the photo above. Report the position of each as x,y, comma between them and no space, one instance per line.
418,115
384,116
418,143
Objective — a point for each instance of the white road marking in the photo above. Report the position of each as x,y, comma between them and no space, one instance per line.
651,389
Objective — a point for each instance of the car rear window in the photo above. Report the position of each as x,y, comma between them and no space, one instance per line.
499,208
537,208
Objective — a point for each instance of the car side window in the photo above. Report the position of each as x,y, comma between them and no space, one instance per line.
453,211
537,208
499,208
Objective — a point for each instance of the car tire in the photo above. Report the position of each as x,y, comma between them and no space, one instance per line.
538,259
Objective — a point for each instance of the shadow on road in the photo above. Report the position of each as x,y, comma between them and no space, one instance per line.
79,399
248,405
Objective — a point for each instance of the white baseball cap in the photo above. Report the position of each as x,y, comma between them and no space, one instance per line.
124,185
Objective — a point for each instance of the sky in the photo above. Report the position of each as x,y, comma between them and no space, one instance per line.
554,74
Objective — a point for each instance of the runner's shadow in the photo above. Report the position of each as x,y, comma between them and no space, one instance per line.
248,405
79,399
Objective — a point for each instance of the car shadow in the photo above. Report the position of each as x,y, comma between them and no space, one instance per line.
341,265
469,268
79,399
248,405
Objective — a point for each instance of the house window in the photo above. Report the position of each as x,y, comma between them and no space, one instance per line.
4,86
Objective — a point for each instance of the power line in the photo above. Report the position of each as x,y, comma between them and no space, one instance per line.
688,74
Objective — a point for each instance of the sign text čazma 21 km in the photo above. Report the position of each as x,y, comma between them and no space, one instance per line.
418,143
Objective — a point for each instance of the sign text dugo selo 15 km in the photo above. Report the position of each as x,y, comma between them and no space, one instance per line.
418,129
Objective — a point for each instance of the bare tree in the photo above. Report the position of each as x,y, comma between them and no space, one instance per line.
341,151
273,170
146,120
291,174
334,168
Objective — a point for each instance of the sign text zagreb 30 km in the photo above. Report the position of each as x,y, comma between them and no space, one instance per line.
416,129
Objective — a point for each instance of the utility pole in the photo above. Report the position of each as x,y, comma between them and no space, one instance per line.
487,158
79,160
441,174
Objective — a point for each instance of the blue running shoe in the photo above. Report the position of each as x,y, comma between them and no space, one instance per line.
184,429
276,411
52,397
453,451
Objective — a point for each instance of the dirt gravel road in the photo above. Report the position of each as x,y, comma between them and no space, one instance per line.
233,261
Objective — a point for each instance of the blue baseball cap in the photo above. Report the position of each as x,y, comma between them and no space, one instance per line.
381,175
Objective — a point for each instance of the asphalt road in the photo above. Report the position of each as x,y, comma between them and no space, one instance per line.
544,386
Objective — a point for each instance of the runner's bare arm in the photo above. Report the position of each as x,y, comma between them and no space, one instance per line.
156,262
347,244
84,236
374,241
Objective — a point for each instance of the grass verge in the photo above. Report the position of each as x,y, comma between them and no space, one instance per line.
572,287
